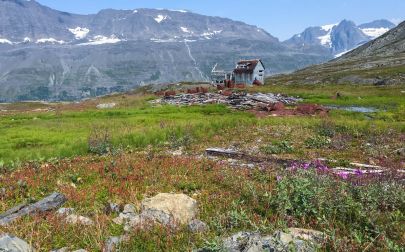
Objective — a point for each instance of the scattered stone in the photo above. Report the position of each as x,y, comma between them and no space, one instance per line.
65,211
80,250
307,234
10,243
247,242
300,239
180,206
51,202
64,249
129,209
77,219
112,244
197,226
400,152
177,153
112,208
296,239
106,105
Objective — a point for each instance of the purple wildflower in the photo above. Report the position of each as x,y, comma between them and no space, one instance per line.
359,172
279,178
305,166
343,175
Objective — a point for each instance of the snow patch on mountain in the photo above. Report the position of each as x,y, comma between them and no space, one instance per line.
100,40
374,32
328,27
182,11
5,41
185,30
27,40
50,40
209,35
79,32
160,18
326,40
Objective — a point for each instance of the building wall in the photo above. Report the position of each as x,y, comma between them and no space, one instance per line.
248,79
258,73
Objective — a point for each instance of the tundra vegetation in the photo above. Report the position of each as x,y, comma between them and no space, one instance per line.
137,150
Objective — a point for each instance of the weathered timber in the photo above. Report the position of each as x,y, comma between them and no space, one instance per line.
53,201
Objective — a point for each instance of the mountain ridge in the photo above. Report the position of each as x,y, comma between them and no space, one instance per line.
341,37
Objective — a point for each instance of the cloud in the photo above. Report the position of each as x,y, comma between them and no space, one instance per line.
396,20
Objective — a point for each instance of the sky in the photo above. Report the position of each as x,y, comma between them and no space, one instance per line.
281,18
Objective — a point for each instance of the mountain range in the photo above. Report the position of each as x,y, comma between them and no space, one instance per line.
47,54
377,62
341,37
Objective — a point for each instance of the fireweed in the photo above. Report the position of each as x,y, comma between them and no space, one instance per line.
355,202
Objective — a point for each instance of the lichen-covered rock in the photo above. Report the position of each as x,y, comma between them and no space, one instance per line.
294,239
77,219
247,242
197,226
10,243
149,218
112,244
129,209
65,211
181,207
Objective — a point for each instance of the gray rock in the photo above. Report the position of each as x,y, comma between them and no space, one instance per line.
80,250
197,226
129,208
10,243
64,249
106,106
77,219
65,211
51,202
246,242
112,244
149,218
300,240
112,208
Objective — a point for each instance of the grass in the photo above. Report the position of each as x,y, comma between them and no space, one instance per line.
356,213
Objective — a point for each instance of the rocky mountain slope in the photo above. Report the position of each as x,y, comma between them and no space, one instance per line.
51,55
380,61
340,38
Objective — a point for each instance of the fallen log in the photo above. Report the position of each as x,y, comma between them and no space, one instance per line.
218,152
365,168
53,201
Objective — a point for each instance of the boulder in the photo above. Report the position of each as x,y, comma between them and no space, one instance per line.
110,208
10,243
149,218
181,207
106,105
295,239
247,242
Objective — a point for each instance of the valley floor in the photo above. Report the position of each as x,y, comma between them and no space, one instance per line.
137,150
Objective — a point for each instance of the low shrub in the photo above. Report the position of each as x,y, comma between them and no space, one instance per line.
278,148
317,142
99,141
